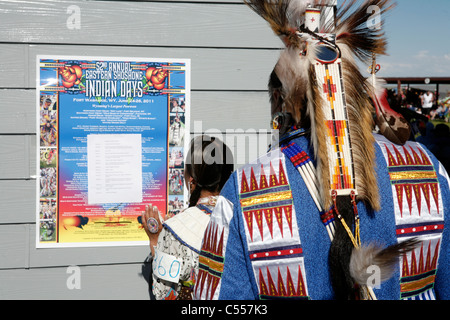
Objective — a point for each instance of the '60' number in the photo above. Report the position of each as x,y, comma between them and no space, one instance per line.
166,267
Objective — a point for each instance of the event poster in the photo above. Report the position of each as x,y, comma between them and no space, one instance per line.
112,139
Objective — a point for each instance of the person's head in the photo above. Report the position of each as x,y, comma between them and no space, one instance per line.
209,164
288,96
275,93
442,130
47,104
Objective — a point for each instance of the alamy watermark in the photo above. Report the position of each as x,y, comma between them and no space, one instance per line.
374,21
374,280
73,281
73,22
246,145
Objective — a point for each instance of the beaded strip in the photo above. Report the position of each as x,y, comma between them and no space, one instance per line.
302,162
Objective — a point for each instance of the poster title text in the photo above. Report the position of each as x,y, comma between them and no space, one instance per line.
114,79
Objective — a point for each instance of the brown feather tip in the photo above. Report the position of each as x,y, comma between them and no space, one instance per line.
354,30
372,258
284,16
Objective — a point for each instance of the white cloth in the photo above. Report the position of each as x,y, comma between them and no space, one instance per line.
188,227
427,100
181,237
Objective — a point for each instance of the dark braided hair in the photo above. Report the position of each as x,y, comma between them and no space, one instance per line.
210,163
340,254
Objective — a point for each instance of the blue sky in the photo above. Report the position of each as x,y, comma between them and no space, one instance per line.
418,32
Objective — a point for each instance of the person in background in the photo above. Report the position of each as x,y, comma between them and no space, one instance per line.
427,102
209,163
440,145
439,112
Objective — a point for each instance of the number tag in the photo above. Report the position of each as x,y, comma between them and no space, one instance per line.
166,267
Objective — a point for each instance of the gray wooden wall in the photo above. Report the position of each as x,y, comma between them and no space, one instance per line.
232,53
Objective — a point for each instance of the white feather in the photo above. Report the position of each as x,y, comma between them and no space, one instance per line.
296,11
293,65
364,262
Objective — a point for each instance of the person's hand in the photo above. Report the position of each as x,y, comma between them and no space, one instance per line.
152,224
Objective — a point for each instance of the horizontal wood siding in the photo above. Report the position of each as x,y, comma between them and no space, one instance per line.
135,23
212,69
232,53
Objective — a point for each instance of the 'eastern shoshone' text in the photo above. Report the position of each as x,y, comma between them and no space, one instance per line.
115,79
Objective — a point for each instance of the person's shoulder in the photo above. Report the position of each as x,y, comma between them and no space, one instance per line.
188,227
185,214
413,149
272,155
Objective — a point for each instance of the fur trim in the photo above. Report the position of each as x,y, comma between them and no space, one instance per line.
360,126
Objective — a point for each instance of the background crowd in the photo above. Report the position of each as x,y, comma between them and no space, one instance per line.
429,118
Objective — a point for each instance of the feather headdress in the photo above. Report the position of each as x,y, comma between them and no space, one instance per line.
299,88
294,84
